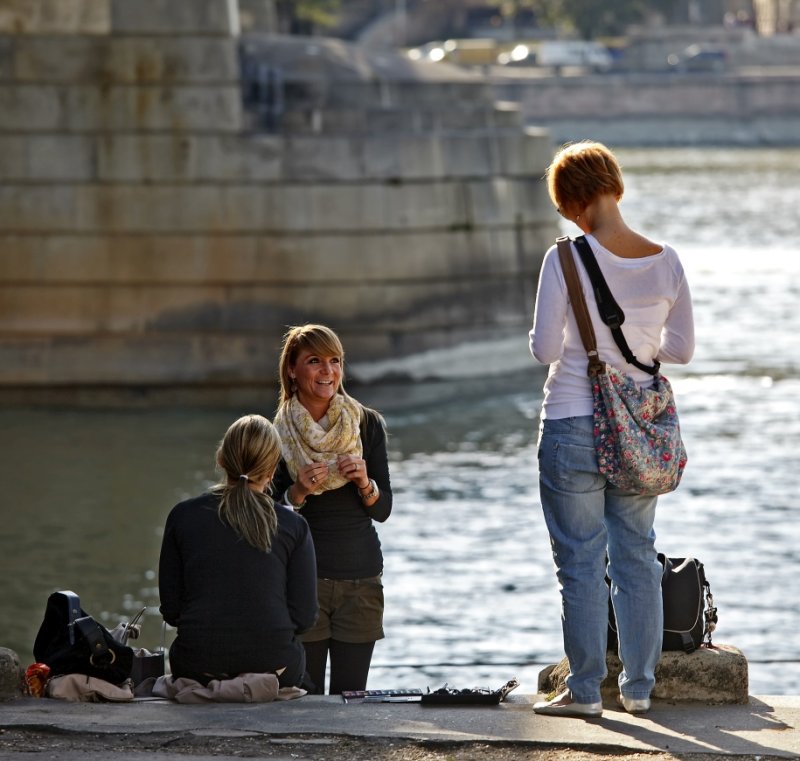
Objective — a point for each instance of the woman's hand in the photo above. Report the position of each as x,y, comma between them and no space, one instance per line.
354,469
309,477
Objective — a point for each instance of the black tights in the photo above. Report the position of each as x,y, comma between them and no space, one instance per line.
349,664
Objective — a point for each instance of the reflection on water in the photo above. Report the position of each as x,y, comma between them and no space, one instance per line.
470,588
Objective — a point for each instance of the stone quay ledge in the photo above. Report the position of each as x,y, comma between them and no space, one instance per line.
685,722
763,727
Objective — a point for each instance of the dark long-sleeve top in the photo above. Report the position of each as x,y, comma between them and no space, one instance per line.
345,540
237,609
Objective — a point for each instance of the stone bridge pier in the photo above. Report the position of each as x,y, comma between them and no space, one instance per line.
164,218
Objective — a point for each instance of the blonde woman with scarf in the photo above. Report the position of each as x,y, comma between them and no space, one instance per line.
335,473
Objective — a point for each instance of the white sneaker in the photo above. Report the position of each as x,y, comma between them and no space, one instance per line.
563,705
634,705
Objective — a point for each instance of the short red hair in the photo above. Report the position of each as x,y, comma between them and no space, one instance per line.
580,172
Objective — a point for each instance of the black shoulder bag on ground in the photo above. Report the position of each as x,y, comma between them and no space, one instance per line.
689,613
71,642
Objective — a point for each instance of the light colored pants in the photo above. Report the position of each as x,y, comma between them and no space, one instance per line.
592,523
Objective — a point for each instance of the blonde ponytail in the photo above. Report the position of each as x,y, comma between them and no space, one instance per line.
249,452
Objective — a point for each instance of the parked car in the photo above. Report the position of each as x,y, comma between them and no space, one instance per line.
467,52
558,53
699,58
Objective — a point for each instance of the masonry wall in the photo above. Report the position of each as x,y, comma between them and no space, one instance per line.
151,234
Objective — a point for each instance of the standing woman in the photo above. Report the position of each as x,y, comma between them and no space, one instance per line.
335,472
237,575
588,519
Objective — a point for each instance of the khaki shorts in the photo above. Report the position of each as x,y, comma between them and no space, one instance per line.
350,610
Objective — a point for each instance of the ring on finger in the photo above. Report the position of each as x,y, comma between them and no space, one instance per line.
313,479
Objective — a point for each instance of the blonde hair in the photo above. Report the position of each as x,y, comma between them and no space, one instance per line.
318,339
249,451
580,172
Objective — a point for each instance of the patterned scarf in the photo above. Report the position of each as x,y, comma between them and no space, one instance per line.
303,440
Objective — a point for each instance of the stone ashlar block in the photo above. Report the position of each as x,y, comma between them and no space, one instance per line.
55,17
507,201
234,208
206,108
209,17
54,157
499,202
403,256
115,60
47,108
215,159
95,310
413,120
141,359
413,157
708,675
319,92
26,109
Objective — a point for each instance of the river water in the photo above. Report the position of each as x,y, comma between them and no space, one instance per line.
471,597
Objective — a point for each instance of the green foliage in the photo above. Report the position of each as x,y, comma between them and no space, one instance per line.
318,12
589,18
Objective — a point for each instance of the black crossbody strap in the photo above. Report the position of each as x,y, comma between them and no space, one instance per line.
610,312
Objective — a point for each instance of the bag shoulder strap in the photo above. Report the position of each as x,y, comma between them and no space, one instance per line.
73,611
100,654
610,312
579,307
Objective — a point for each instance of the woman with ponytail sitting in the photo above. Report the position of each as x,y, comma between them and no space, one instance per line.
237,574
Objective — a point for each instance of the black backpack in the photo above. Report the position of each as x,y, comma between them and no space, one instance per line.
689,612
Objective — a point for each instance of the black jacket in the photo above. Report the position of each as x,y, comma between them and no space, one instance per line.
237,609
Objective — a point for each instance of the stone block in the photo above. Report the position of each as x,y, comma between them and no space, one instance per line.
325,158
365,207
7,45
198,17
241,308
127,360
504,201
189,158
112,260
451,155
88,108
11,674
178,109
708,675
144,259
29,108
38,208
164,60
37,158
397,257
55,16
524,152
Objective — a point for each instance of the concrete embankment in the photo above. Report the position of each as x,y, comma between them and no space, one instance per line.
740,107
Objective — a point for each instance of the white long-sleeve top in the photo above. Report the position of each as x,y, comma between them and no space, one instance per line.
657,304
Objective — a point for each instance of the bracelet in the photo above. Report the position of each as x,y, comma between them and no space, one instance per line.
373,491
289,501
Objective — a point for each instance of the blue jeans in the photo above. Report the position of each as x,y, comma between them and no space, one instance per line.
592,523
